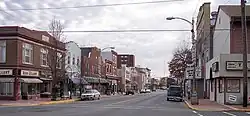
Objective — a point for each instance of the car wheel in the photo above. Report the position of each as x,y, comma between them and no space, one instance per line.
167,99
99,97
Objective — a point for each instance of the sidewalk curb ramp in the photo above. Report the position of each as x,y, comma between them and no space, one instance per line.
200,109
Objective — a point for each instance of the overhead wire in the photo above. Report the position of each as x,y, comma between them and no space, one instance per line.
90,6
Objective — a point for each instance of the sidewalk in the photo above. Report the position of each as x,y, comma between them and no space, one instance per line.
207,105
239,108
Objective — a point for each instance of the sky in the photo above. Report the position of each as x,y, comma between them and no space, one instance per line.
151,49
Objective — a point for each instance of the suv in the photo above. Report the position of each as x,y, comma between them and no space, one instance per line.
175,93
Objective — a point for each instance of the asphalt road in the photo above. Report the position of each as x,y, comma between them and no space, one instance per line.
153,104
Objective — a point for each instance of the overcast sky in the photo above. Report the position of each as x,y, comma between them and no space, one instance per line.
152,50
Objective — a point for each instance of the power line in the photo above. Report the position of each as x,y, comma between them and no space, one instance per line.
125,31
90,6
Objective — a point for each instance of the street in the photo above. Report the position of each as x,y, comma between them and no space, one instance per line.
152,104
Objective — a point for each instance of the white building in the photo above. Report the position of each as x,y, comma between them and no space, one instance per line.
73,61
224,70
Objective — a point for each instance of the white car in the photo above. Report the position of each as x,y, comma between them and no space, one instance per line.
148,91
91,95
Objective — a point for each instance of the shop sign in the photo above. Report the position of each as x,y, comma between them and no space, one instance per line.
6,72
232,98
29,73
235,65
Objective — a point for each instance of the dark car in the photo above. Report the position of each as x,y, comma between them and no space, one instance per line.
175,93
130,92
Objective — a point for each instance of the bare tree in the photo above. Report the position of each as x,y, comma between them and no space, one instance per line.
181,57
56,56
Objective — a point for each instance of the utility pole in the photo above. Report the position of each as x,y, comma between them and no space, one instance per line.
244,39
194,98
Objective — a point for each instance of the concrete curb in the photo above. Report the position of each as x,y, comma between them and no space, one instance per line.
200,109
237,109
42,103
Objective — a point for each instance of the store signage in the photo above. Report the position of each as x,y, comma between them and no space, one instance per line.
232,98
6,72
29,73
235,65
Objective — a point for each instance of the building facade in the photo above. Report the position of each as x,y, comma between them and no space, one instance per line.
125,74
72,65
91,69
203,47
25,61
224,70
127,59
110,61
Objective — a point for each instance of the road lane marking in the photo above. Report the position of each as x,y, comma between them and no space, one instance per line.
248,112
197,113
134,99
229,114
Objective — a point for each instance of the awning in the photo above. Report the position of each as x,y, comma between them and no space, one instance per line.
7,80
45,79
78,81
96,80
30,80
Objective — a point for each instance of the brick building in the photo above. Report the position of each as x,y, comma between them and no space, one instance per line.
91,68
127,59
24,62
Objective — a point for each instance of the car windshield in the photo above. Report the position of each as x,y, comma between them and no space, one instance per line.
89,91
174,89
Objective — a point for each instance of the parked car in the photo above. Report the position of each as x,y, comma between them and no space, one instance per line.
91,94
130,92
142,91
175,93
148,91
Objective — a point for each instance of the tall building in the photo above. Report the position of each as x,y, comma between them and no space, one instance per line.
127,59
203,47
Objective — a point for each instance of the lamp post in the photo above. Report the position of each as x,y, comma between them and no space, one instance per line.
194,93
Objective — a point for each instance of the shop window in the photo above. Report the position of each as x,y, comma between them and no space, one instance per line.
2,51
233,85
221,86
6,89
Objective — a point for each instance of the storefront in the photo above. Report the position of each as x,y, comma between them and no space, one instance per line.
225,78
6,84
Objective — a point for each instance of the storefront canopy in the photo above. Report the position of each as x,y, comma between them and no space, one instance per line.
78,81
7,80
96,80
30,80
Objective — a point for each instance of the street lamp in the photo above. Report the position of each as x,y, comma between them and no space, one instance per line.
194,93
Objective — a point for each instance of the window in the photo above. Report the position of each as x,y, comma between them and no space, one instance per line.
69,58
221,86
78,61
44,57
59,60
73,61
2,51
6,89
27,53
212,85
233,85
